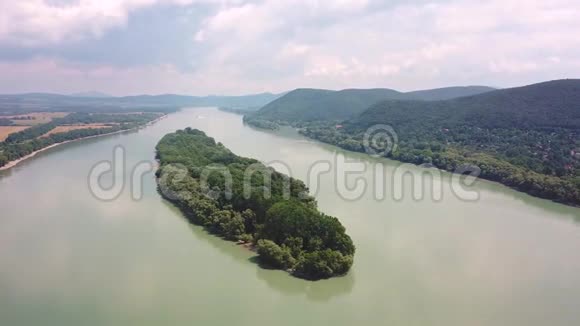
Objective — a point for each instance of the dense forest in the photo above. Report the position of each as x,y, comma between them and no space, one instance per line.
263,207
308,105
25,142
239,110
527,138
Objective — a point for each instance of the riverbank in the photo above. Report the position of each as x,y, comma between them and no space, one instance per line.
552,188
525,187
14,163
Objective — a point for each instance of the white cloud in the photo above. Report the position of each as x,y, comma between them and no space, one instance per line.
245,46
295,49
505,66
403,45
33,22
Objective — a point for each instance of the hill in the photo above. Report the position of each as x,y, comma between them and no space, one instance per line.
41,102
91,94
525,137
545,105
318,104
307,105
447,93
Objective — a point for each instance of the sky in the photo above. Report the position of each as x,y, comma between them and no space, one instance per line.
233,47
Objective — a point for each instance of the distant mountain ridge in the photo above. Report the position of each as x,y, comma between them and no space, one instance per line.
30,102
252,100
446,93
548,104
92,94
318,104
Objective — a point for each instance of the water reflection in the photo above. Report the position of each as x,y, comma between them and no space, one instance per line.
277,280
319,291
491,190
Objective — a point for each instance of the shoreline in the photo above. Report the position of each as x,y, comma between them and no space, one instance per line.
514,188
14,163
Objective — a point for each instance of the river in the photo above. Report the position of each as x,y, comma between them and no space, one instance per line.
68,258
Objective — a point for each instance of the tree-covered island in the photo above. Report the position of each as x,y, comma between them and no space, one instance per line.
240,199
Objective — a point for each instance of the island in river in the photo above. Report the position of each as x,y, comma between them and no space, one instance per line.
242,200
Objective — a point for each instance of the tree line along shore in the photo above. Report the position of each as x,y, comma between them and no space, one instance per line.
24,144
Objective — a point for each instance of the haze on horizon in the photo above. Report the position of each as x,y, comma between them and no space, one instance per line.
238,47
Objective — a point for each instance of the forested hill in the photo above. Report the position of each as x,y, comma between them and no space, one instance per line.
446,93
261,206
554,104
40,102
320,105
525,137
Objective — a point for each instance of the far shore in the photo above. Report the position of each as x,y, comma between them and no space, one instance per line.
12,164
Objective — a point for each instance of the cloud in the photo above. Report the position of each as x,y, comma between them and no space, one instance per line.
404,45
33,22
503,66
241,46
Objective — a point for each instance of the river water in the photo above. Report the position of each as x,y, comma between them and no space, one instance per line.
68,258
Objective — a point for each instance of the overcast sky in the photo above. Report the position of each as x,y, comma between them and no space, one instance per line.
236,47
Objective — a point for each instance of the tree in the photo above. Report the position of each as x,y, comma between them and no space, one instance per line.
324,264
274,255
234,228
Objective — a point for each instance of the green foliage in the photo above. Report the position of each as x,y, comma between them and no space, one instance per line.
239,110
546,105
287,219
446,93
526,138
308,105
314,104
234,228
108,118
323,264
260,123
276,256
262,205
25,142
31,133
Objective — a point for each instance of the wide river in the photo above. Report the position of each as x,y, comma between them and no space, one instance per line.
68,258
